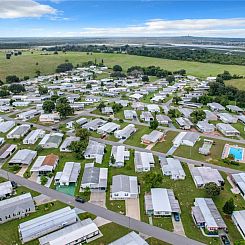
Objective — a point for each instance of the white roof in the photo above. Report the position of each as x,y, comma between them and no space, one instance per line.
5,188
160,200
130,239
239,216
71,233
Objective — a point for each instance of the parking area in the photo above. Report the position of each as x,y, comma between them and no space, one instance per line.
98,198
133,208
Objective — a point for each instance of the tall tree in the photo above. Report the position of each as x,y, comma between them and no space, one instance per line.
48,106
212,189
63,107
229,206
16,88
12,79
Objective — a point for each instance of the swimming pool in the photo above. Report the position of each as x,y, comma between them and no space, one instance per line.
237,153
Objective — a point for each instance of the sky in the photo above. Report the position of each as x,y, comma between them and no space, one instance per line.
121,18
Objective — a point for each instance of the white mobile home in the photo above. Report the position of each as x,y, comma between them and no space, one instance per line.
16,207
33,137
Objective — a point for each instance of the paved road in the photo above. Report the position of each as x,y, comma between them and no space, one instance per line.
125,221
182,159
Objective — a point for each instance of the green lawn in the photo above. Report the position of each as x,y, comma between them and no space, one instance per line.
167,144
238,83
240,127
111,232
48,63
135,139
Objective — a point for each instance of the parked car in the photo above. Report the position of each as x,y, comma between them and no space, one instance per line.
14,184
79,199
176,217
225,240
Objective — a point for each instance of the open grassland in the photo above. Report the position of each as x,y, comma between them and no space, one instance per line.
238,83
27,64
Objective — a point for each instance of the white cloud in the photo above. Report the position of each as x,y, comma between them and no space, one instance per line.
10,9
160,27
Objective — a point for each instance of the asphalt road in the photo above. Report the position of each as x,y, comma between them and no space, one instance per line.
122,220
182,159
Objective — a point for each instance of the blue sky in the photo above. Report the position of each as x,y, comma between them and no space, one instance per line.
101,18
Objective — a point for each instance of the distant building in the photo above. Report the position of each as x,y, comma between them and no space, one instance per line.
6,126
108,128
146,116
227,118
94,124
130,114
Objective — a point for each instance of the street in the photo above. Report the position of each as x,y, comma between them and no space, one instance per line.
117,218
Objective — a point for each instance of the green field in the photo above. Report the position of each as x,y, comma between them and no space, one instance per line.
238,83
27,64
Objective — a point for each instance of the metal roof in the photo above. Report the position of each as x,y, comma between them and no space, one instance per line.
47,223
70,233
124,183
130,239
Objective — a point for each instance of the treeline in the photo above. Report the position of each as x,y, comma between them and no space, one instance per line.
179,53
221,93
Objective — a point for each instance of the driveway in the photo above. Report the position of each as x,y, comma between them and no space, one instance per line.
22,171
98,198
178,227
42,199
34,177
133,208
